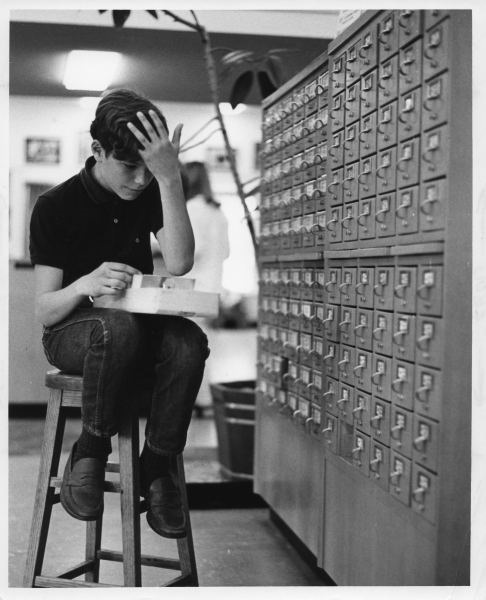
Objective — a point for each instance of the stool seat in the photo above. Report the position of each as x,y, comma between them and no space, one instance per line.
65,392
58,380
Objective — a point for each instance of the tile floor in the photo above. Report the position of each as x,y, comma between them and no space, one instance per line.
234,547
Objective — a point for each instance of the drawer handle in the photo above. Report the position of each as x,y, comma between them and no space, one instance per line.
419,443
396,429
384,40
423,291
418,495
397,385
345,220
423,342
363,52
363,218
425,205
397,337
380,215
374,464
344,324
376,379
422,394
378,332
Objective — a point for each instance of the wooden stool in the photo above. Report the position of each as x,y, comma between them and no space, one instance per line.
65,391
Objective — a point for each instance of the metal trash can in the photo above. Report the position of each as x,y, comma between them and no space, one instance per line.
234,414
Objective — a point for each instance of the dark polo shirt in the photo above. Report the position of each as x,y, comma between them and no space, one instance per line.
78,225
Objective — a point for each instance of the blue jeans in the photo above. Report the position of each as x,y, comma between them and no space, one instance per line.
120,354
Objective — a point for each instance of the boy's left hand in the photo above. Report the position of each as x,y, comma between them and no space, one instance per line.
159,153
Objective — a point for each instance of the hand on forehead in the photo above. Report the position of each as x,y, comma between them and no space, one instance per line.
148,121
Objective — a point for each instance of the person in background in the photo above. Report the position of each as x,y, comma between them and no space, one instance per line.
211,247
88,236
210,228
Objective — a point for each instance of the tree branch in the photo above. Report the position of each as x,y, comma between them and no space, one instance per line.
194,26
186,148
198,131
214,87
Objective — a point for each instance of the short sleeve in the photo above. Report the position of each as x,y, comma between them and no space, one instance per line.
48,235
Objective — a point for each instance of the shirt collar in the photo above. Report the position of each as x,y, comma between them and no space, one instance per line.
95,191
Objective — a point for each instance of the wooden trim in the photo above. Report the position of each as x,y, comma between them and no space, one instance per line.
145,559
455,428
52,582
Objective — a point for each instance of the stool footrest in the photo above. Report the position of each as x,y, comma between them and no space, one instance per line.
48,582
180,581
146,559
80,569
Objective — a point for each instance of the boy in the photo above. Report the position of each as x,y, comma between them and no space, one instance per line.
89,236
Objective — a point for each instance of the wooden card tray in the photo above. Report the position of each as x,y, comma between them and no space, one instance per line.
152,294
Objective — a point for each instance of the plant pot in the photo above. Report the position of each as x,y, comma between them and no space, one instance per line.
234,415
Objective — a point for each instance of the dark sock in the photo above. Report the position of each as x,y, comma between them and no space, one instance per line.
92,446
153,465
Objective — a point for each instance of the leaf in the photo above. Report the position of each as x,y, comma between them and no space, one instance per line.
120,16
153,13
241,88
265,84
274,70
282,50
102,11
236,56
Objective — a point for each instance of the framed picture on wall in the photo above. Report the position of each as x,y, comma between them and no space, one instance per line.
45,151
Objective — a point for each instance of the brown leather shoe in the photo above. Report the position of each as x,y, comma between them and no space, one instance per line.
82,488
165,515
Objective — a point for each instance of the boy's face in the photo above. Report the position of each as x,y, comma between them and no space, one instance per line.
125,178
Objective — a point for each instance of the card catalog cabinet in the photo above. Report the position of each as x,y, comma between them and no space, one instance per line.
364,335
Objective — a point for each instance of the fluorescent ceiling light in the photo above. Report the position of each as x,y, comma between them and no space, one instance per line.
90,69
225,108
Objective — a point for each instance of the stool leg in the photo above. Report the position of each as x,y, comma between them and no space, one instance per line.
93,545
44,496
128,445
185,545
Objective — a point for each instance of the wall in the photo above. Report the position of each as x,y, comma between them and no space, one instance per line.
68,120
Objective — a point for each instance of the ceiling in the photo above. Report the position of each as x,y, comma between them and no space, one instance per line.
163,64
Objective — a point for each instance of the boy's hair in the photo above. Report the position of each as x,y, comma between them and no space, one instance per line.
110,124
